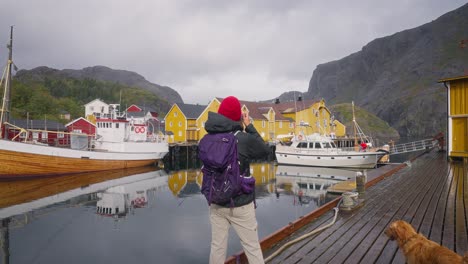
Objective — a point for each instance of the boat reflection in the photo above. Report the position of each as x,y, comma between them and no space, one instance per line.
22,196
309,183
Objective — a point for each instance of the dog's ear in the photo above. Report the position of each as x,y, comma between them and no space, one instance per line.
390,231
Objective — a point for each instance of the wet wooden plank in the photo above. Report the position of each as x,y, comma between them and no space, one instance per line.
374,250
460,225
406,208
365,215
438,223
448,234
347,228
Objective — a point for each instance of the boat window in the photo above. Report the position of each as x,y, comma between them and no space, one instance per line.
333,144
302,145
317,145
326,145
311,145
117,125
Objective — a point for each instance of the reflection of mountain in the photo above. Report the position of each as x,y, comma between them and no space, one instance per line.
25,195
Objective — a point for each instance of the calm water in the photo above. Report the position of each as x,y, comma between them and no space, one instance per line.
55,220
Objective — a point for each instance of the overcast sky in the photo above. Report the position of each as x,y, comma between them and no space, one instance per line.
255,50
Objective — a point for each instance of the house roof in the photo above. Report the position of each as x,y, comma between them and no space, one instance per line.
192,111
38,124
95,100
453,78
78,119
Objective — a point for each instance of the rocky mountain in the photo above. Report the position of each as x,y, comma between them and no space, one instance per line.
396,77
102,73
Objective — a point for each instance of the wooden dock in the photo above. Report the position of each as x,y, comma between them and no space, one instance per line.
430,193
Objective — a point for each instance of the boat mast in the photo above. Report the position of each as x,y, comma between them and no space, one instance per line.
354,126
5,115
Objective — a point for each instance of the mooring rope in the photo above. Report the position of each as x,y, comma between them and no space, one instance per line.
304,236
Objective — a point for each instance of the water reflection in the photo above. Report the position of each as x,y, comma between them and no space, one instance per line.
309,184
102,215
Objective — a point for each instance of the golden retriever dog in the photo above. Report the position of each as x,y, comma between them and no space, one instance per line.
418,249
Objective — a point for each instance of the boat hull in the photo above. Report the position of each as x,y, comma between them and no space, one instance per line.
28,160
365,160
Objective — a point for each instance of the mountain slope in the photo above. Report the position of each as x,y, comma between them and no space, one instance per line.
395,77
102,73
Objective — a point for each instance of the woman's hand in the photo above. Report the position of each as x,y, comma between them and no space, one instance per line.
246,118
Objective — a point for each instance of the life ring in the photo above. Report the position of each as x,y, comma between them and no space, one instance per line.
140,129
300,137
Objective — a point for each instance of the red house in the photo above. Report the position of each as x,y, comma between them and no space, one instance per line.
43,131
81,125
133,108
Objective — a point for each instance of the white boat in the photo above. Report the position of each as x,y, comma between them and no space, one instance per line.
118,143
319,151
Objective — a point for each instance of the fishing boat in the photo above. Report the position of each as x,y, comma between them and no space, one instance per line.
119,142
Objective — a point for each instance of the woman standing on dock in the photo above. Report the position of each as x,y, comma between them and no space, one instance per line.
242,216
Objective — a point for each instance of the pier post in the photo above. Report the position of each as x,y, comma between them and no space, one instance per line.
361,179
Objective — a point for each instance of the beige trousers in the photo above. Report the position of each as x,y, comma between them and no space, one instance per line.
245,224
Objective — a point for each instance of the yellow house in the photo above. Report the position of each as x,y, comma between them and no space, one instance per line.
262,117
311,116
338,128
181,122
268,123
186,123
212,106
457,91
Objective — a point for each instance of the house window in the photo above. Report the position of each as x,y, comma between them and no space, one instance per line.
180,133
180,123
44,135
324,123
291,125
263,123
175,114
91,108
280,124
60,135
77,131
203,124
116,125
170,124
35,135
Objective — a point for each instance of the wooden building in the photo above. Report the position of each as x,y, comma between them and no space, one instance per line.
42,131
457,110
181,120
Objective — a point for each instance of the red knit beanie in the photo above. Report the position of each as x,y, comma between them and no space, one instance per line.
230,107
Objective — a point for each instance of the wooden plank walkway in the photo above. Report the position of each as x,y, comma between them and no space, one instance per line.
431,194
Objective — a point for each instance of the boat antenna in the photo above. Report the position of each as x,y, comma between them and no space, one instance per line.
5,115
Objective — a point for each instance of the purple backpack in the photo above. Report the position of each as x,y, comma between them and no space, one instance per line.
221,173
